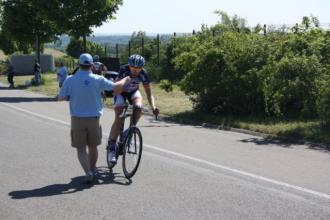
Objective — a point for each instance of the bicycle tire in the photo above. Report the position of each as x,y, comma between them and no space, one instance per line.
130,151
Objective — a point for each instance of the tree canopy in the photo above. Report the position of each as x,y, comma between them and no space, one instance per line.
77,17
28,21
39,21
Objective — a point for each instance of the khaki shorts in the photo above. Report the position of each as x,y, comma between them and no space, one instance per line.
85,131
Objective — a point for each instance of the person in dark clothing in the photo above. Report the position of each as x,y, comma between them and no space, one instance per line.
37,73
10,74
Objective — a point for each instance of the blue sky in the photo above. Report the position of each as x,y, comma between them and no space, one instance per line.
168,16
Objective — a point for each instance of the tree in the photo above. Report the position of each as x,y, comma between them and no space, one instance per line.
75,46
28,22
235,23
77,17
7,45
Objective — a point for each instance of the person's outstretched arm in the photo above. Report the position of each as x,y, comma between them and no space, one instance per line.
119,85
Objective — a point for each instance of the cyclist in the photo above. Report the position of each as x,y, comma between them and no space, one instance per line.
98,67
131,92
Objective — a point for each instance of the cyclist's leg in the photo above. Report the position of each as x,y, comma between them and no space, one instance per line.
119,103
137,102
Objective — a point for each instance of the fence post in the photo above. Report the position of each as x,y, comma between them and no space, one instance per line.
117,51
158,45
265,29
105,51
142,42
129,48
174,36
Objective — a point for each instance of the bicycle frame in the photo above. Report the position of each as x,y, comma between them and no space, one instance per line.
122,140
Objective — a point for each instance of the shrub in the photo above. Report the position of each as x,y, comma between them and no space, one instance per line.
166,85
222,73
290,86
323,101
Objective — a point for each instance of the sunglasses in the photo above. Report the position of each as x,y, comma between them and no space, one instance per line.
137,69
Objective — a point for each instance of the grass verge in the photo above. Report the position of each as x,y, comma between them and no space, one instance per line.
179,107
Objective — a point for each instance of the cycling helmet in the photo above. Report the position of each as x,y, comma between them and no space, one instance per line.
96,58
136,60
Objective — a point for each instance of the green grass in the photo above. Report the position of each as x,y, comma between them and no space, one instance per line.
177,105
294,129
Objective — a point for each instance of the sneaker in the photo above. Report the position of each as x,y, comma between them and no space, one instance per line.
89,178
112,154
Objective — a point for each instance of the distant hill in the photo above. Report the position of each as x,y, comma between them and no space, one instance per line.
109,40
102,39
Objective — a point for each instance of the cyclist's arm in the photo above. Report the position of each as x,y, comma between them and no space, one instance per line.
150,97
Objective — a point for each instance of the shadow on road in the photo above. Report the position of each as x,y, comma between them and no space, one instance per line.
287,143
27,99
76,185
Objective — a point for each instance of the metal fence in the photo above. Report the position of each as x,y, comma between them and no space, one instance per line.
116,50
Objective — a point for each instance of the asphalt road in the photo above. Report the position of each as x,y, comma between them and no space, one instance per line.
187,172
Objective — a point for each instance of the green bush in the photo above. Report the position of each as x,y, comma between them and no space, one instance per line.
166,85
222,73
323,101
235,71
290,86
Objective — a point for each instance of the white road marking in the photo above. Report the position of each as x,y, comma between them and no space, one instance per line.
240,172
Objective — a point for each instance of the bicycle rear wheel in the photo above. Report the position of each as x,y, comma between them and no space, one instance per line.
132,152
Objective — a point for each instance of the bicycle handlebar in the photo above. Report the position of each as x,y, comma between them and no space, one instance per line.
124,114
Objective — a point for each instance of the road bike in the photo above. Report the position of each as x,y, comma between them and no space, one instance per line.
129,146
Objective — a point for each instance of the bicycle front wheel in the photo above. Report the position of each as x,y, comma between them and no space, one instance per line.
132,153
